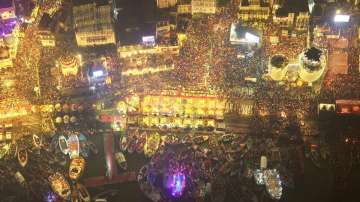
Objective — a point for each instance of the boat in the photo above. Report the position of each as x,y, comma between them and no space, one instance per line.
36,140
19,178
76,168
74,146
59,185
83,193
123,143
93,148
121,160
22,157
63,144
75,196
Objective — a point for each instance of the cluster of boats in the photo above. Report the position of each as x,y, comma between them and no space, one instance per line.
76,145
77,192
21,153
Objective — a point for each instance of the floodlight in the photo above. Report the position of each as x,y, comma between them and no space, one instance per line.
98,73
252,38
341,18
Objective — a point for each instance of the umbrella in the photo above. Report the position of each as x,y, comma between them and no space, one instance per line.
74,107
58,120
73,119
66,119
58,107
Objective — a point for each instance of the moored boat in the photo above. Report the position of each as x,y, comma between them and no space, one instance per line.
123,143
76,168
83,193
74,146
36,141
22,157
59,185
63,144
121,160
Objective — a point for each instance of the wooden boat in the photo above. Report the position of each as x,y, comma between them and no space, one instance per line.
123,143
121,160
93,148
22,157
74,146
74,197
36,141
19,178
83,193
63,144
76,168
59,185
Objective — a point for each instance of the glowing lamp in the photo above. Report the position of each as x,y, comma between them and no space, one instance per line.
341,18
98,73
251,38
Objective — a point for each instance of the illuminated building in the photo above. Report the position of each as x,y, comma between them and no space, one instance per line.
163,29
9,33
344,107
184,9
47,39
254,12
165,3
172,108
302,21
69,65
93,26
203,6
7,10
299,22
284,21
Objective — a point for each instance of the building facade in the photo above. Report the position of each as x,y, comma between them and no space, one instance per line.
184,9
165,3
93,25
47,39
203,6
253,13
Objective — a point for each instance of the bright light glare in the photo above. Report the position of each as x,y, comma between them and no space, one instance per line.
342,18
98,73
251,38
